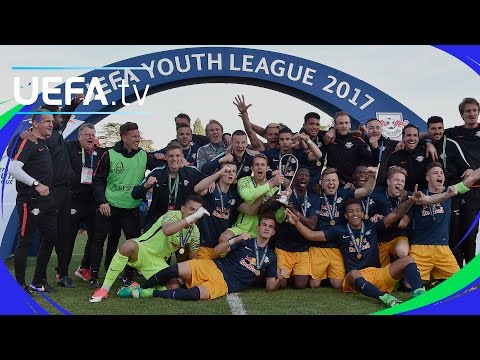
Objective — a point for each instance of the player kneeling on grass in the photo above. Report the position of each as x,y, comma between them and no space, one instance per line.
358,243
209,279
148,253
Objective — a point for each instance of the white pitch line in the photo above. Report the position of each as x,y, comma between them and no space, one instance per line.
236,304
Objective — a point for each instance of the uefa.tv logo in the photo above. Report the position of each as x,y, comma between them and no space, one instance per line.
94,92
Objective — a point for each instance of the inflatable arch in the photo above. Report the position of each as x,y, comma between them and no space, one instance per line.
325,88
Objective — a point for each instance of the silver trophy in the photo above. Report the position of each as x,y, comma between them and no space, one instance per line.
288,167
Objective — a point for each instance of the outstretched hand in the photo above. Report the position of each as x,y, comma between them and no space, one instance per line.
240,104
417,195
291,217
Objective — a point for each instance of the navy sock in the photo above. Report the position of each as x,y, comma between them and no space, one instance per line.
413,276
367,289
179,294
161,277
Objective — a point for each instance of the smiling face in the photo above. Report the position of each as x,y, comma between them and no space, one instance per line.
214,133
410,138
271,134
43,125
184,135
395,184
312,127
435,178
360,176
302,179
374,129
330,183
87,138
436,130
239,144
354,214
131,139
174,159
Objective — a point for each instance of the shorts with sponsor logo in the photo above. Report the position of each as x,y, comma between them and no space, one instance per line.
326,263
206,253
387,249
205,273
436,261
147,263
380,277
295,263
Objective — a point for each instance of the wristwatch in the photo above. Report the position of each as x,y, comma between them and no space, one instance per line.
35,183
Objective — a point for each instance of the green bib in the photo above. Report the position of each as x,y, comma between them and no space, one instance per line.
125,174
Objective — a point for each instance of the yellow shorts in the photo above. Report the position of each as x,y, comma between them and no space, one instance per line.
206,253
296,263
147,263
386,249
205,273
380,277
326,263
436,261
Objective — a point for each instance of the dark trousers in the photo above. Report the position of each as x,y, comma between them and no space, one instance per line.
126,219
82,211
61,196
32,214
461,220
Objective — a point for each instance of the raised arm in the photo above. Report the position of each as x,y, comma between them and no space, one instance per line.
252,136
225,246
402,209
303,230
249,193
366,190
315,153
438,198
251,209
171,228
202,187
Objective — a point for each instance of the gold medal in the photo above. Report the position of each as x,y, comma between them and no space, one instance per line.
359,256
181,251
319,163
332,222
257,272
366,217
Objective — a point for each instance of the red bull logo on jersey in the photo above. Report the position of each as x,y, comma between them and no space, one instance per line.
437,209
392,124
249,262
225,214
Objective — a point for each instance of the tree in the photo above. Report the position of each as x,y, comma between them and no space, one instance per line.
198,127
109,134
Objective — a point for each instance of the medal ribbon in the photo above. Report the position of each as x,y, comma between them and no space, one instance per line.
259,263
358,247
333,210
174,189
183,241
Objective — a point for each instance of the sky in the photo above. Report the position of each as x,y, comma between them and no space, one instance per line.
423,78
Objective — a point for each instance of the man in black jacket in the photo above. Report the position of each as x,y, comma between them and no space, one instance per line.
119,170
84,156
62,171
171,184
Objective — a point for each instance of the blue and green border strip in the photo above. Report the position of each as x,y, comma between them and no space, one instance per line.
459,295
